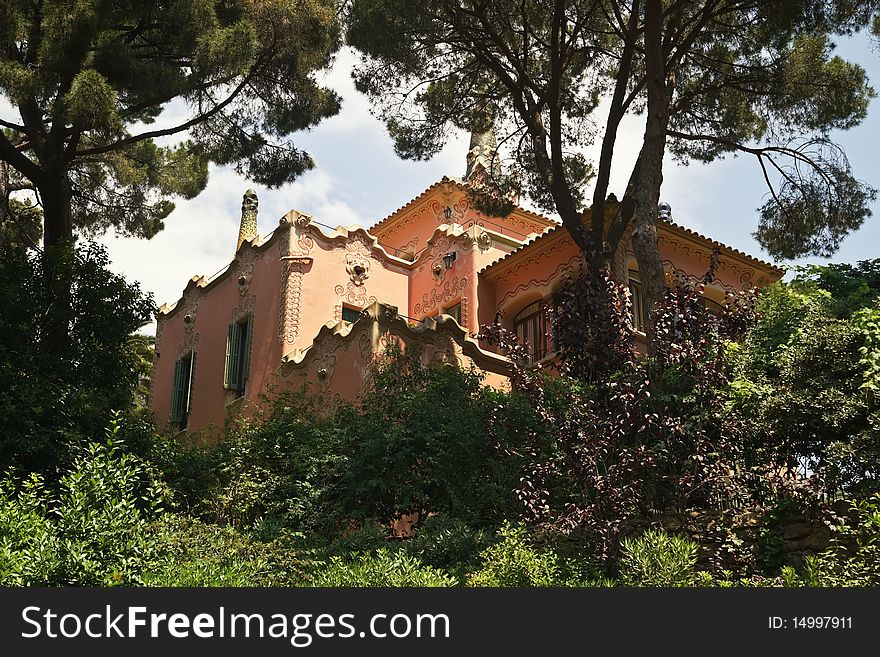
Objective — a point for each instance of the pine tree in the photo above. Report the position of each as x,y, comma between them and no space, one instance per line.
712,77
90,78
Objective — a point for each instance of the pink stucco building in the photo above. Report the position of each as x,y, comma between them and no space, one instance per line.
308,305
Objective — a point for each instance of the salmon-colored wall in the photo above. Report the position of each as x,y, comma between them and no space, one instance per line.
533,273
410,228
329,281
248,286
296,281
336,366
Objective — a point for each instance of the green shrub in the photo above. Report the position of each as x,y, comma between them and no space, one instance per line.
384,568
60,387
450,544
30,550
92,532
658,559
514,561
854,556
368,537
193,553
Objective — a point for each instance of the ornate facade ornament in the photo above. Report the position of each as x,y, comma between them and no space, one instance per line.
483,240
247,230
358,268
388,313
355,295
245,273
189,318
302,220
241,311
451,290
190,343
325,366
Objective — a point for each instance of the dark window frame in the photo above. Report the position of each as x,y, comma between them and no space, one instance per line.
637,299
351,314
533,328
454,311
181,391
238,347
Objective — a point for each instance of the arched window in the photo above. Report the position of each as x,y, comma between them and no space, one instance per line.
532,326
638,301
712,306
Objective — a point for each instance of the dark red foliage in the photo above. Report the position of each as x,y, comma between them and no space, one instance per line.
616,434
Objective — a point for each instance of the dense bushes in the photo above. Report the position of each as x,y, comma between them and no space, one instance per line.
415,445
90,530
658,559
383,568
758,410
60,385
806,378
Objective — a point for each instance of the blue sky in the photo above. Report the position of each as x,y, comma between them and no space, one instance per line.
359,180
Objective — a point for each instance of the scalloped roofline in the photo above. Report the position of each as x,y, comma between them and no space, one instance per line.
683,231
388,317
389,220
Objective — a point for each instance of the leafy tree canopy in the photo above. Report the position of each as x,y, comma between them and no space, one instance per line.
56,390
733,76
90,78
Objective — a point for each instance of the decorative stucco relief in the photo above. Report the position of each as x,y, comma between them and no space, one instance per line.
437,296
291,298
291,284
160,333
357,262
408,249
243,278
354,295
161,323
241,311
568,268
420,213
744,275
189,317
523,267
325,366
483,240
434,211
190,343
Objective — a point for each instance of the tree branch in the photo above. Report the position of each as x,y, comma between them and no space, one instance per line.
169,131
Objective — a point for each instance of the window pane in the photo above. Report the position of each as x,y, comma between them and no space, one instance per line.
638,305
350,314
454,312
531,328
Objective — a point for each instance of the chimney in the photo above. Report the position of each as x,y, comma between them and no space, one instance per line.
248,229
483,151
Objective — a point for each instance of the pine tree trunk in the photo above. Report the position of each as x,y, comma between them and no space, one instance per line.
57,243
4,191
57,215
650,168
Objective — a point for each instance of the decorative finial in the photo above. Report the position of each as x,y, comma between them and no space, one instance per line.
664,211
483,152
248,229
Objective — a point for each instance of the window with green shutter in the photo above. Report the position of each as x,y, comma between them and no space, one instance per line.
238,348
181,395
454,312
350,314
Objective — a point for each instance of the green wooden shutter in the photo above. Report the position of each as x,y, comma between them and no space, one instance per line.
177,392
233,346
248,329
188,381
